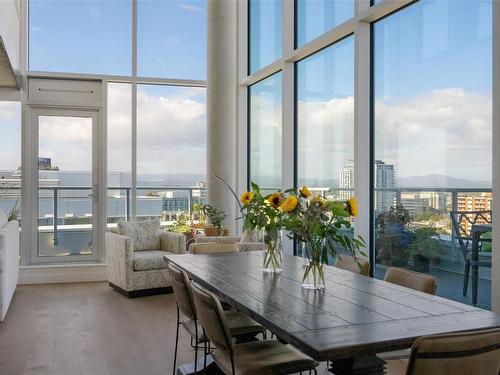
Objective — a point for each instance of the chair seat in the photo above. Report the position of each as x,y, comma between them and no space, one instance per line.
264,357
149,260
239,325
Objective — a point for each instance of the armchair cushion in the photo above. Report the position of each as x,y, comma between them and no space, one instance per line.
144,234
149,260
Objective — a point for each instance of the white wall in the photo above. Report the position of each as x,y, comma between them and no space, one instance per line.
9,30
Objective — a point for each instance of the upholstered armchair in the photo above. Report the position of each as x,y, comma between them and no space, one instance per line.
134,257
9,261
249,241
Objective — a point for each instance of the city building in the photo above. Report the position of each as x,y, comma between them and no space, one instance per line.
346,180
385,181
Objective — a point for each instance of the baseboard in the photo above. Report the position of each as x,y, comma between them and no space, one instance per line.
64,273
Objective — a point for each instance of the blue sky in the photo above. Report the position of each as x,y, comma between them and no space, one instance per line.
95,37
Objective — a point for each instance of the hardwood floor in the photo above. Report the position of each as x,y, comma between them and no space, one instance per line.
90,329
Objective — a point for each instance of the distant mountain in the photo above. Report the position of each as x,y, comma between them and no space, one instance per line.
441,181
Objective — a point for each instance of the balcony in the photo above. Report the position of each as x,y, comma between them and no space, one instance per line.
70,233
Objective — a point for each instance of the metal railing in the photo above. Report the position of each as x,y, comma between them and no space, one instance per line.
55,195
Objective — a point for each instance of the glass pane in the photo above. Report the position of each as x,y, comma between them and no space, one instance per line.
325,120
265,132
433,130
265,37
171,39
319,16
171,150
80,36
65,181
10,159
119,151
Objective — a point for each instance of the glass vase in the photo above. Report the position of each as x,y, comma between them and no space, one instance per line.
314,273
273,253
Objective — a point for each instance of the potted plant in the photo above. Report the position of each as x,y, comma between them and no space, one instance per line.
425,247
182,225
393,236
216,218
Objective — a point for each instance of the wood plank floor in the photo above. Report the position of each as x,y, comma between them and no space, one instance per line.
89,329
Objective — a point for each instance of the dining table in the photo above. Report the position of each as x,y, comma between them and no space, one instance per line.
347,324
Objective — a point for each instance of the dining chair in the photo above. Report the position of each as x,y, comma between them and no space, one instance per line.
471,353
356,265
213,248
259,357
240,325
411,279
462,222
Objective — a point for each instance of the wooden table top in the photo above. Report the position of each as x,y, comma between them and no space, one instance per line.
354,316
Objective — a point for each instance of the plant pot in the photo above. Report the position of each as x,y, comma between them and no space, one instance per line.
215,231
421,263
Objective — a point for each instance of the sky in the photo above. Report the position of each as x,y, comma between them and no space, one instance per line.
432,84
95,37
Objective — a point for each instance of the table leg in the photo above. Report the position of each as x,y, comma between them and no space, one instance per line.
367,365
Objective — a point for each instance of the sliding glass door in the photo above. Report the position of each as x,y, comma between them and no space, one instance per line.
65,169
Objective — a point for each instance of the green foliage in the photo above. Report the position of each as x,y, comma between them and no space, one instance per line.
426,242
14,212
215,215
260,214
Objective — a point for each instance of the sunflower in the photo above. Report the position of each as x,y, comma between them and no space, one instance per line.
290,203
318,200
352,206
304,191
275,199
246,197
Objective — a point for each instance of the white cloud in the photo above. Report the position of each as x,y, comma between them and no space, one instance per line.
191,7
171,131
445,132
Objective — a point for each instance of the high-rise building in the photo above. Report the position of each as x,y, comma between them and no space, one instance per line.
384,179
474,202
346,180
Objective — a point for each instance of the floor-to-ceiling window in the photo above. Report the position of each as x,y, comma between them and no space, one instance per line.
265,132
150,57
432,137
390,101
325,121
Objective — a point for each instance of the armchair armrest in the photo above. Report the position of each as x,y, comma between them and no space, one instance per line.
119,250
217,239
172,242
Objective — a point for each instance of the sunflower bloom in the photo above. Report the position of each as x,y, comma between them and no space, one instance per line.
246,197
304,191
290,203
275,199
352,206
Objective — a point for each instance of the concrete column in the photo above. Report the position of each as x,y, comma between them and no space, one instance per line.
222,64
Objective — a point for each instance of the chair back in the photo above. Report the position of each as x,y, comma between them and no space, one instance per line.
212,318
462,221
213,248
410,279
472,353
182,291
356,265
